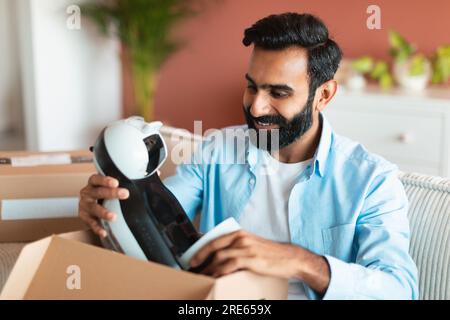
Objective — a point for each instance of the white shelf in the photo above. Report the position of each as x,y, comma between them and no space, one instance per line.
410,129
441,92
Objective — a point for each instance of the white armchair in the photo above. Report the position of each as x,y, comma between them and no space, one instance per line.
429,218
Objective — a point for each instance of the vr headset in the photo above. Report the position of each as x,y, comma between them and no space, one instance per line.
151,224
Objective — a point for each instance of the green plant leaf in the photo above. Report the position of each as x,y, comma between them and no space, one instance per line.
400,48
441,65
363,64
386,81
379,70
437,77
417,65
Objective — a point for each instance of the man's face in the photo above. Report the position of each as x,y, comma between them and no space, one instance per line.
277,94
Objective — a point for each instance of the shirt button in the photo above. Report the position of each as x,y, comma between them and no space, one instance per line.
252,181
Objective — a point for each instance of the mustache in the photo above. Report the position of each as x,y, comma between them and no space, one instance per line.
273,119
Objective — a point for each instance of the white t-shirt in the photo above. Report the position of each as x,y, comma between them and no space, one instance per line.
266,213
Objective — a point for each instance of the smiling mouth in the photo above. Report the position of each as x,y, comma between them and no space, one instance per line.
261,125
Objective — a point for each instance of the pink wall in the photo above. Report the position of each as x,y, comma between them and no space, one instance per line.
205,80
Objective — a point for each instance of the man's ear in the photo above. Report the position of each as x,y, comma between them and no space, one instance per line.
325,93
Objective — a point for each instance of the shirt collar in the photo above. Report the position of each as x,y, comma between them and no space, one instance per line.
323,150
320,157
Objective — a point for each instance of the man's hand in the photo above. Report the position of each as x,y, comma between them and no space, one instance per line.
99,187
244,251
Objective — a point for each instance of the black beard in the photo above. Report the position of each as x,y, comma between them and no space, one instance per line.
288,131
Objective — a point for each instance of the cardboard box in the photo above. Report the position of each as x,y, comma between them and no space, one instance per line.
71,266
39,193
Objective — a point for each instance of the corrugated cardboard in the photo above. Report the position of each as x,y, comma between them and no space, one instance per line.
45,270
41,182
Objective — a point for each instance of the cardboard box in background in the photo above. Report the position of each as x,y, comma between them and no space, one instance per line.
71,266
39,193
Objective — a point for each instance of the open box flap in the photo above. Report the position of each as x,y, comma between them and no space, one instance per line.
103,274
24,269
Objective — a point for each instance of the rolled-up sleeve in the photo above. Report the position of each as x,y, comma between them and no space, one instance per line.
383,268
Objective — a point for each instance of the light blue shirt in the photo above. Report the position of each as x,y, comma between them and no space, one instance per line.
348,206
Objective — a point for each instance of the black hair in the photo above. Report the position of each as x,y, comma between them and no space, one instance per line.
277,32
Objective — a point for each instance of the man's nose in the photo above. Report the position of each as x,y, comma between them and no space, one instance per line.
260,106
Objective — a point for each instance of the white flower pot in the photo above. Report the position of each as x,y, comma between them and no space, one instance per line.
413,83
355,81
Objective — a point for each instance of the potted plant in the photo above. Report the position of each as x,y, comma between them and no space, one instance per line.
375,70
382,74
411,70
143,28
355,79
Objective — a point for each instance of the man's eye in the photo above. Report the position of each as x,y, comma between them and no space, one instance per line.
278,95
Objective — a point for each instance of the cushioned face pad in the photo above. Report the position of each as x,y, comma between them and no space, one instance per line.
156,152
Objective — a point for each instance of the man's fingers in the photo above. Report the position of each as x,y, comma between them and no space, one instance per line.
99,187
93,224
233,265
224,255
215,245
106,193
97,180
97,211
101,212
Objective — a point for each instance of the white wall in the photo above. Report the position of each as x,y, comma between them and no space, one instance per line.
10,86
71,78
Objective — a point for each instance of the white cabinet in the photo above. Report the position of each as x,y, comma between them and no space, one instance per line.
409,129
